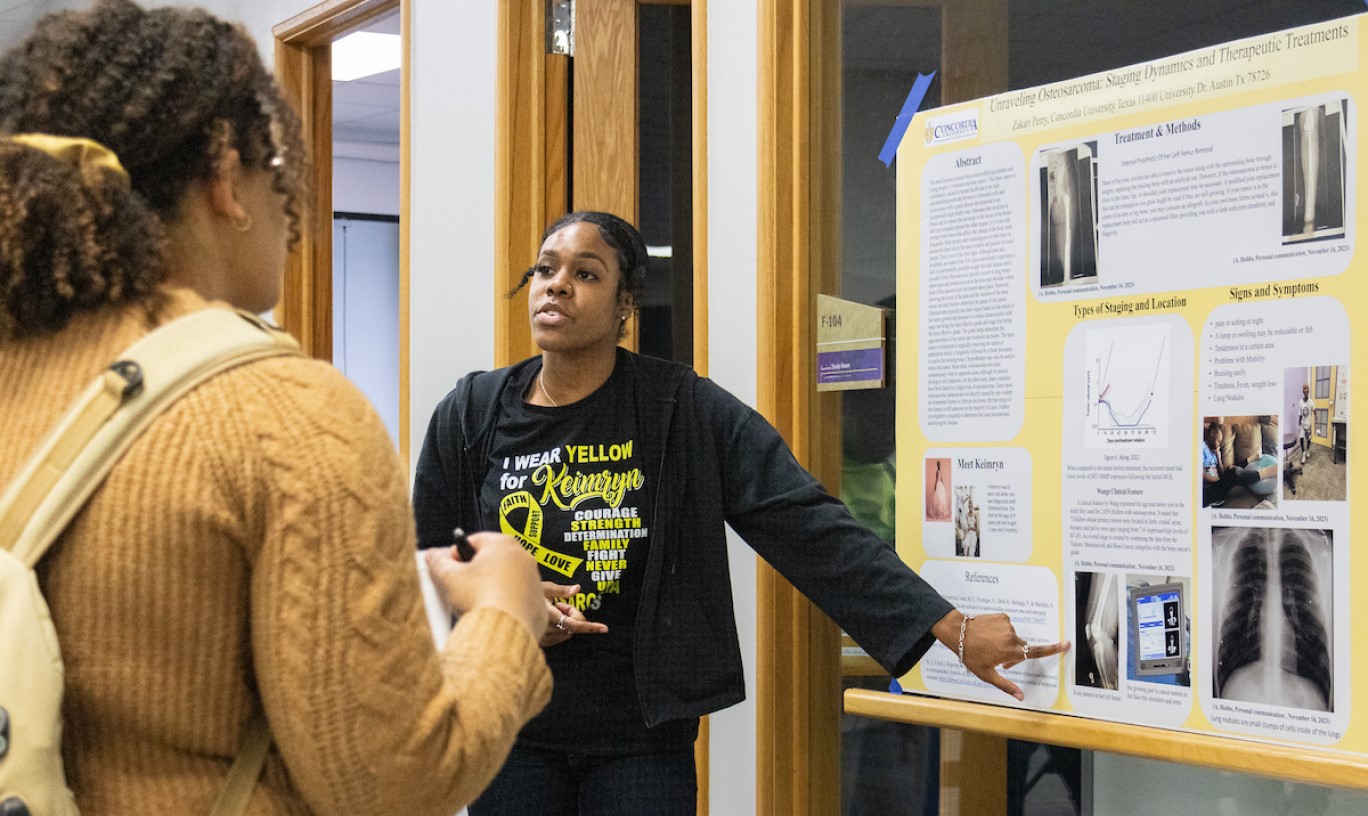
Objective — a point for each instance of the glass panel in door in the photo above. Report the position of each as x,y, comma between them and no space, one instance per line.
885,767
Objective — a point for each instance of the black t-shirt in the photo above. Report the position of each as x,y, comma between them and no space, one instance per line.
570,484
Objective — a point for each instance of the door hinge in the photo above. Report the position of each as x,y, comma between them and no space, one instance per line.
560,27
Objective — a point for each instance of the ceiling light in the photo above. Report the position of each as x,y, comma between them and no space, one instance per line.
364,54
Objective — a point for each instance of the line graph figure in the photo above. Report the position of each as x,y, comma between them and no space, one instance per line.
1128,387
1134,419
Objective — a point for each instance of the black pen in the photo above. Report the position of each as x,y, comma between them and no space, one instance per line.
458,537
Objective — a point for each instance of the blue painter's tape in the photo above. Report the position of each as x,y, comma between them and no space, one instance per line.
909,109
894,687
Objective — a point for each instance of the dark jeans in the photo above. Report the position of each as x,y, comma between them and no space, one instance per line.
1230,478
559,783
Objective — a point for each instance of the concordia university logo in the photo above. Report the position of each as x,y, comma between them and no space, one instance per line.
954,127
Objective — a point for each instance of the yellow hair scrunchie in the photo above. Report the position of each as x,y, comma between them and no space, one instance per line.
75,151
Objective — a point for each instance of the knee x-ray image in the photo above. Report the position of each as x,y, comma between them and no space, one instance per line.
1098,663
1273,616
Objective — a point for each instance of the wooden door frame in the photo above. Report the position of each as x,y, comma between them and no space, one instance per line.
798,668
797,661
303,69
531,182
1326,404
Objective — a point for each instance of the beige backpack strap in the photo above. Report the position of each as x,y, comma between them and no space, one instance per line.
242,777
20,503
105,420
111,413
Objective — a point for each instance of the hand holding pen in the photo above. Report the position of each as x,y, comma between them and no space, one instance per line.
495,572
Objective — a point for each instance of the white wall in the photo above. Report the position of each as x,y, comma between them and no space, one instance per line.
257,16
366,312
451,288
453,60
366,274
365,185
733,148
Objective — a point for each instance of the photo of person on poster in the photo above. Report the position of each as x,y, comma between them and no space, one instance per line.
1315,466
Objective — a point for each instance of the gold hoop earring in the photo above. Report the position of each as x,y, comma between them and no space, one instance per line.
243,224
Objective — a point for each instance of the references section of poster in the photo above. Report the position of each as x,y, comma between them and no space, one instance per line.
1134,353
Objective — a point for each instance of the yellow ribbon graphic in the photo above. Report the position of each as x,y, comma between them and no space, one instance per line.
530,536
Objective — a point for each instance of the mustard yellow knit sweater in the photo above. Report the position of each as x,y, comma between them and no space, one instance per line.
255,548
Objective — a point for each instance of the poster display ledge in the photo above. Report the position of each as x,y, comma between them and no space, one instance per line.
1225,753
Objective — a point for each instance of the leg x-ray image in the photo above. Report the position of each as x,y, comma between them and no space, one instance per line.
1099,624
1068,224
1273,616
1314,171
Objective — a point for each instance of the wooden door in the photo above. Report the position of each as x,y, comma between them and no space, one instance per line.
568,137
1323,396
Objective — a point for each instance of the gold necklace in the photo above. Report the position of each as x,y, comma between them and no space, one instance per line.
541,381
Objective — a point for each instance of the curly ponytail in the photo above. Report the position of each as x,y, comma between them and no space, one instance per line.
169,91
72,238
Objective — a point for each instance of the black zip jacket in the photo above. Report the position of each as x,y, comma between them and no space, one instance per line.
708,459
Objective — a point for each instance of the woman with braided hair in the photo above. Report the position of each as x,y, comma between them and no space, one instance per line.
618,472
252,552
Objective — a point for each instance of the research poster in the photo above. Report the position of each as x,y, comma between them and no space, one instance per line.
1139,307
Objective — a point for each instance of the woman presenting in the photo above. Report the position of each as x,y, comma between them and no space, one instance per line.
618,472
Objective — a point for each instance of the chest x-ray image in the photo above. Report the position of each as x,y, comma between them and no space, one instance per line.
1273,616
